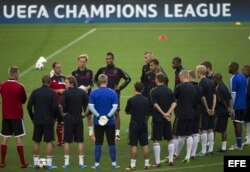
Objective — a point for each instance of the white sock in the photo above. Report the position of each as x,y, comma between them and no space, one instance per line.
224,145
114,163
204,143
35,159
81,159
133,163
146,162
175,142
248,132
195,144
157,152
117,132
170,152
189,146
97,164
211,142
49,160
181,141
91,130
66,159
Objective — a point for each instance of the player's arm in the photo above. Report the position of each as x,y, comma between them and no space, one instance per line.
96,76
127,79
23,95
30,107
204,102
167,115
128,107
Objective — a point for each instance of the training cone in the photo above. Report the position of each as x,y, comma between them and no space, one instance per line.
163,37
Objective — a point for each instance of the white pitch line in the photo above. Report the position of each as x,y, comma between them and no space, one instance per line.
174,28
60,50
181,168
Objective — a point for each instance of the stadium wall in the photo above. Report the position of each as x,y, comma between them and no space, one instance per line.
79,11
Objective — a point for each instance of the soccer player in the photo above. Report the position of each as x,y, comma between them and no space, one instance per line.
138,107
148,56
164,104
176,64
103,103
185,95
73,103
222,109
115,74
13,97
43,107
238,87
246,73
84,77
57,84
149,81
197,115
207,109
209,73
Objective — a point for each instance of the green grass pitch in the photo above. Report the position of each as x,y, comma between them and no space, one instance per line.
21,45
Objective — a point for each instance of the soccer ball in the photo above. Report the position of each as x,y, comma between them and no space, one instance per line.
39,65
42,163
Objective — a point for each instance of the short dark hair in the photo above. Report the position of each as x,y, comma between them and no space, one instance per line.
155,61
46,79
161,77
138,86
72,80
110,54
54,64
208,64
218,76
234,66
177,59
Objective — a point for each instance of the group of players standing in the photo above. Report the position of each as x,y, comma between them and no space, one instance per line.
199,108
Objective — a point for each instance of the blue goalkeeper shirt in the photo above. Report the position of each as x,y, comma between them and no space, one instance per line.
103,98
238,88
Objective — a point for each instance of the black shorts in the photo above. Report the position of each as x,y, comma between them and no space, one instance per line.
43,130
207,122
221,122
247,116
185,127
136,135
238,116
109,130
59,119
12,127
196,125
162,131
175,126
73,131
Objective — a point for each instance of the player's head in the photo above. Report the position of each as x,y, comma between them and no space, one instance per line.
191,75
208,65
102,80
13,72
154,65
233,67
176,62
82,60
246,70
138,87
57,68
160,78
217,78
71,81
46,80
201,70
184,76
110,58
148,55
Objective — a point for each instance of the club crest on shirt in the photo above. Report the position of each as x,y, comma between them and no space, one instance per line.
115,71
